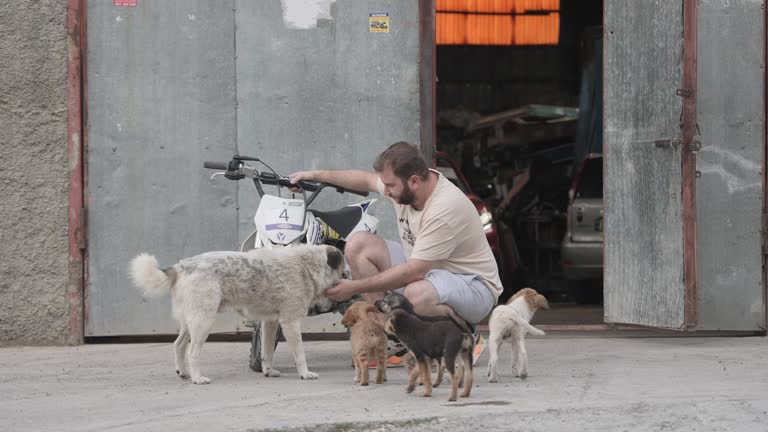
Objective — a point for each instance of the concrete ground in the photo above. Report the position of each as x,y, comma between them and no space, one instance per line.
597,384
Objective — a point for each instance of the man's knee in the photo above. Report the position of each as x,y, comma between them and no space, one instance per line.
423,297
425,300
359,244
367,254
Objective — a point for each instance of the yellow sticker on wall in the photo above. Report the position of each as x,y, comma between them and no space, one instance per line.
379,22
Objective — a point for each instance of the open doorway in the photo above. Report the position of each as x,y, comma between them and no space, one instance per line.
519,120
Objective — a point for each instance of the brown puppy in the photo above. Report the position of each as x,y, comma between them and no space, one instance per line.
429,338
368,340
410,363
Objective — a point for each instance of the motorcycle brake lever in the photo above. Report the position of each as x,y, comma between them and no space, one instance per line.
213,177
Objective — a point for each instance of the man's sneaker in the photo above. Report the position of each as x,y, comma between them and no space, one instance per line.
396,352
480,343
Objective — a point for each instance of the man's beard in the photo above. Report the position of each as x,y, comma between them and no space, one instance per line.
407,197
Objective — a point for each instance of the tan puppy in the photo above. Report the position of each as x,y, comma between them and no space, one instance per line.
510,323
369,342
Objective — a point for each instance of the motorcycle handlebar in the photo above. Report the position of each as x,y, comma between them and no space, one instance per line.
309,186
341,189
271,179
216,165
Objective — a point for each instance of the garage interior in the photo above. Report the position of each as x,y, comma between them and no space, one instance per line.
519,114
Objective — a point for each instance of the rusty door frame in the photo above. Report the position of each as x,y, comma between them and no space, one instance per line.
688,93
427,73
75,148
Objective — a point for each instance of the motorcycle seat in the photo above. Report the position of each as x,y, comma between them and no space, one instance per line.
343,220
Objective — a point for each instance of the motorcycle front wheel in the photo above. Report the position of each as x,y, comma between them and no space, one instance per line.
255,361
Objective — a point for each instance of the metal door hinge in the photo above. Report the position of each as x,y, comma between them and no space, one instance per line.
684,92
675,143
696,143
668,143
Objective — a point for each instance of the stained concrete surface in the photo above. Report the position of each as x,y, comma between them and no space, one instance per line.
34,180
575,384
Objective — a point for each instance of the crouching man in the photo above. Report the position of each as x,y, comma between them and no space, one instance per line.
443,263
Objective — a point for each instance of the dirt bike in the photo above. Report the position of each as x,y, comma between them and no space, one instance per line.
283,221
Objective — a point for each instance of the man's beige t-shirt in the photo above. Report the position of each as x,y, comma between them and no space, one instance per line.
448,233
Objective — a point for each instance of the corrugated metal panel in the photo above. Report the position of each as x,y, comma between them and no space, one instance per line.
161,100
332,95
537,30
729,194
488,29
643,187
165,78
498,22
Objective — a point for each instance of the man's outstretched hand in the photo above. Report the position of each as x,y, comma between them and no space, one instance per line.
344,289
301,175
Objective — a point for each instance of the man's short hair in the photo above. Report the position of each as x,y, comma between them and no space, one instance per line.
404,159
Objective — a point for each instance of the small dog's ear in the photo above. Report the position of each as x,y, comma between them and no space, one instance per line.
335,258
542,302
389,328
371,308
383,306
350,318
400,301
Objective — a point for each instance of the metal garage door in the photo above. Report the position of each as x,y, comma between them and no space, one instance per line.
300,84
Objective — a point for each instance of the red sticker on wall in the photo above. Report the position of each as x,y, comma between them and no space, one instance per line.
130,3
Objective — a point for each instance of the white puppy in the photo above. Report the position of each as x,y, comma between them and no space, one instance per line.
510,323
269,285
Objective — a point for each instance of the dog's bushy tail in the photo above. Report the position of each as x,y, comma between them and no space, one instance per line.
147,276
527,326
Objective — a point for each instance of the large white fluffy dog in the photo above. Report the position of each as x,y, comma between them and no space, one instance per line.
510,323
270,285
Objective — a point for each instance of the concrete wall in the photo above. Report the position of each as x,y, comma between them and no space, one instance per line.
33,173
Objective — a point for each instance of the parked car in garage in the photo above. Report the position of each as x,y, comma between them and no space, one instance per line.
582,246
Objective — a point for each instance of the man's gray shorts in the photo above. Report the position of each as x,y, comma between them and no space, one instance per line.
468,295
